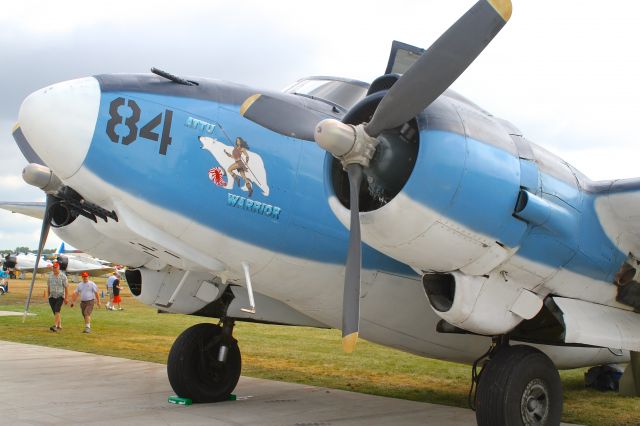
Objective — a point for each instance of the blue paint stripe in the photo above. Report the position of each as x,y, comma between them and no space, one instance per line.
189,191
473,183
476,184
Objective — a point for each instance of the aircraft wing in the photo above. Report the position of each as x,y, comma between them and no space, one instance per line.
97,272
33,209
618,207
617,204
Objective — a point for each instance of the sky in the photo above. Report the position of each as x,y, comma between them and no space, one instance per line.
567,73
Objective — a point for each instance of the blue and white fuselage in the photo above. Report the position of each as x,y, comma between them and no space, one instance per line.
512,221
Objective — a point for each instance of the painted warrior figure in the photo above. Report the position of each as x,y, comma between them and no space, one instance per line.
240,165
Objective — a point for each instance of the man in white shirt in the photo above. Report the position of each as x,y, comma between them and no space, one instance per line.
88,291
110,281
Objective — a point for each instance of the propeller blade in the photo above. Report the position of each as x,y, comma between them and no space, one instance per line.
288,117
351,296
43,239
440,65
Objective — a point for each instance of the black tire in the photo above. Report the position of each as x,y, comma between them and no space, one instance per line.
193,367
519,386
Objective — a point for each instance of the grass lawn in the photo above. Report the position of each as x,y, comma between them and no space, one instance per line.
292,354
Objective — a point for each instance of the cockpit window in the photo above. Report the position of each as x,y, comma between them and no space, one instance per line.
339,93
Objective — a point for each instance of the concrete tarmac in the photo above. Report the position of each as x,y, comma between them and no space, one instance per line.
47,386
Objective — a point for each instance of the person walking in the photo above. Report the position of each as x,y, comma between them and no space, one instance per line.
57,286
116,296
115,276
88,291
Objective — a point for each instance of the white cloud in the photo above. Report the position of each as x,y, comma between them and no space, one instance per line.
18,230
11,182
64,17
564,72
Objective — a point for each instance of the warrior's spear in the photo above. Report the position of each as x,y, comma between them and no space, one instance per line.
243,162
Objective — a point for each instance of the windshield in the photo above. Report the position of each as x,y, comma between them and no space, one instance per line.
343,94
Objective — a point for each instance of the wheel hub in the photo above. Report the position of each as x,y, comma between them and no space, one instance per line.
209,366
534,405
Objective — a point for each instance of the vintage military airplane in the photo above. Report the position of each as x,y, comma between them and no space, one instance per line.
74,262
23,262
231,202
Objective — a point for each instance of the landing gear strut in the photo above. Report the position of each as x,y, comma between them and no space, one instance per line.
519,386
204,362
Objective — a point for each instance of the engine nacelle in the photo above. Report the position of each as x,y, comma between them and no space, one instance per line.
172,290
10,262
434,198
83,235
489,305
63,261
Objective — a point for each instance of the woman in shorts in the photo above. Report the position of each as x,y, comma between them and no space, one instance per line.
116,295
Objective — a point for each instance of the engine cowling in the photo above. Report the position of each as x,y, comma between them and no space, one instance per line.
172,290
489,305
10,262
63,261
434,197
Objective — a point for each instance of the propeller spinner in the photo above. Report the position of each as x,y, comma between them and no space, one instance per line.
437,68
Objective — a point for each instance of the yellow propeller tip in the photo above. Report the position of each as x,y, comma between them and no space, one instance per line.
248,102
349,342
503,7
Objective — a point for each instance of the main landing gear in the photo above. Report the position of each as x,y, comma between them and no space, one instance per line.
518,386
204,362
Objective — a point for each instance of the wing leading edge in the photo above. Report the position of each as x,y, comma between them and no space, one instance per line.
617,204
33,209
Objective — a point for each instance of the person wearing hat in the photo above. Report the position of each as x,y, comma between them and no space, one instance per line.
57,293
88,291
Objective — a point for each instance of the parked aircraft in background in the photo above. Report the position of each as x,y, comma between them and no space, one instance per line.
24,262
74,262
63,248
230,202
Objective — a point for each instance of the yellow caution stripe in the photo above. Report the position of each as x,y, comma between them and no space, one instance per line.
248,102
349,342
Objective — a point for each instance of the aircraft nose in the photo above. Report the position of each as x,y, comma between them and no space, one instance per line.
58,123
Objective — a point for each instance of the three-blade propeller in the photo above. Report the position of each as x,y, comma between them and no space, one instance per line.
426,80
43,178
351,295
44,232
